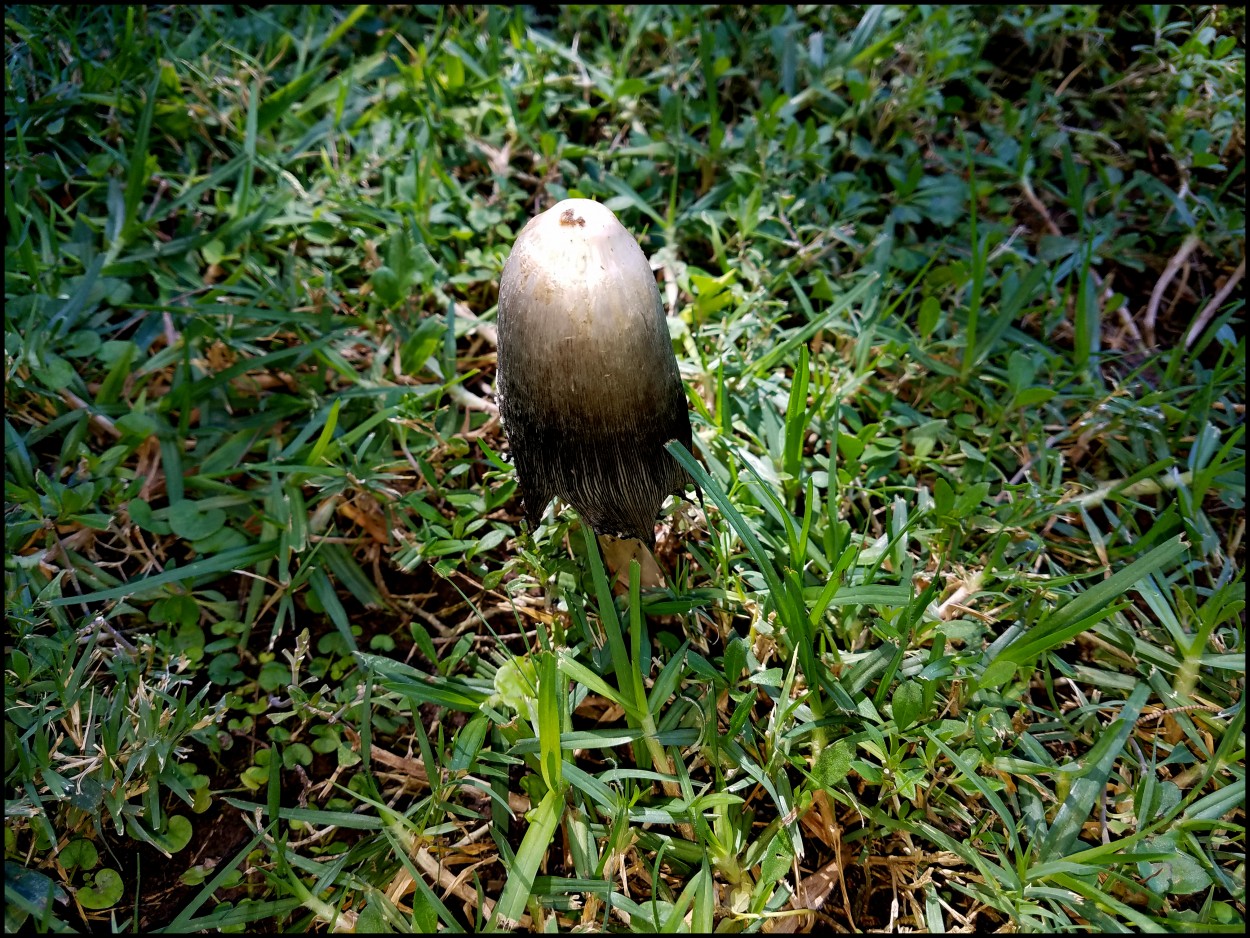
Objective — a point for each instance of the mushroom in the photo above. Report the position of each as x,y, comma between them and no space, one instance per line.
588,385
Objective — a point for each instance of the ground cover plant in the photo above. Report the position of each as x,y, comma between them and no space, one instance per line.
958,641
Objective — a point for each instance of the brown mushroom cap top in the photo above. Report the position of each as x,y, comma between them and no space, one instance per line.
588,383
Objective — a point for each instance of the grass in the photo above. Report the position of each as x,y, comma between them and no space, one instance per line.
960,644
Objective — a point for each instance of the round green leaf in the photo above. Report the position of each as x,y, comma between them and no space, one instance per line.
255,776
274,674
296,753
213,252
1000,671
386,284
104,894
221,670
1180,874
187,519
176,836
177,610
112,350
82,344
56,373
135,424
221,540
141,514
79,854
195,875
908,701
190,638
202,800
833,765
371,921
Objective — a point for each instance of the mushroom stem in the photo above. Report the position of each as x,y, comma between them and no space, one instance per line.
619,551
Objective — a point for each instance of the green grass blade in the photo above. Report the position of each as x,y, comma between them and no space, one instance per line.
181,923
549,719
1092,783
529,856
204,570
1079,613
611,623
712,488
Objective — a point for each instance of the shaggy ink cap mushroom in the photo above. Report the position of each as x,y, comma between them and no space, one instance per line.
588,384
